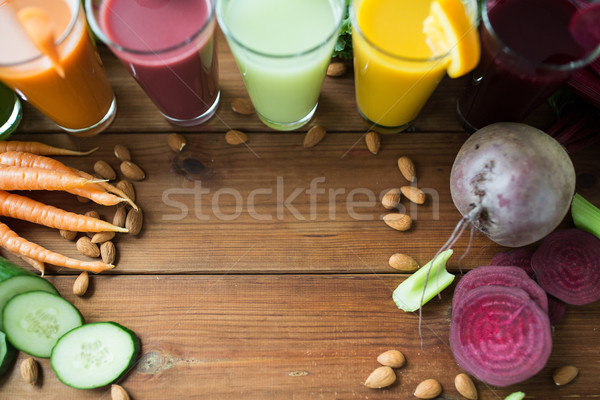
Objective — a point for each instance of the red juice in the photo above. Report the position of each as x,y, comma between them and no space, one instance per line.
168,47
526,48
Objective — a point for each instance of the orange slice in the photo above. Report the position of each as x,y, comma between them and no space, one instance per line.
40,29
450,28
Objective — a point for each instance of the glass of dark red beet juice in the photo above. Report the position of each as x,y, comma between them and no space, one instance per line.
168,46
528,52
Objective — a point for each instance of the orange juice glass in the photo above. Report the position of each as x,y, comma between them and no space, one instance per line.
395,70
81,101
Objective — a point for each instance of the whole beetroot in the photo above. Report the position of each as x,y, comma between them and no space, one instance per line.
513,182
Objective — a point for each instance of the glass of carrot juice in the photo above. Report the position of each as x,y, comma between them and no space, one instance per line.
398,65
49,59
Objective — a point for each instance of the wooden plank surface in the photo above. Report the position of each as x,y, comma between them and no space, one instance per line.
290,337
257,290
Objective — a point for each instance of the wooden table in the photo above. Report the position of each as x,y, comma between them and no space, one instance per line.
243,285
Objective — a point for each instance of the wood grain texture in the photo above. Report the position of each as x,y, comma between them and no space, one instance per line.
250,210
294,336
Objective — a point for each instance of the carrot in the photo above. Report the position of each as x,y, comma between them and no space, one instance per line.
40,148
94,192
13,242
21,207
108,187
34,263
30,178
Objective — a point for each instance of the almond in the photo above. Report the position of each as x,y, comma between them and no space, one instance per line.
392,359
176,141
87,248
242,106
314,136
465,386
117,392
373,141
235,137
122,152
101,237
104,169
69,235
403,263
134,221
414,194
565,374
80,286
336,69
407,168
391,198
29,370
397,221
380,378
428,389
127,187
108,252
132,171
119,217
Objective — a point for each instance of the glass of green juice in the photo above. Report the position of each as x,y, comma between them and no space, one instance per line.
10,111
282,49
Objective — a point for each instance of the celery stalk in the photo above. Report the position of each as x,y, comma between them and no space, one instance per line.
409,293
515,396
585,215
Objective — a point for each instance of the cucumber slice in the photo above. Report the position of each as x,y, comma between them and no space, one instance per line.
21,284
8,270
7,354
33,321
94,355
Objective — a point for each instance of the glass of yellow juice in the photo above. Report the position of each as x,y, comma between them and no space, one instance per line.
396,69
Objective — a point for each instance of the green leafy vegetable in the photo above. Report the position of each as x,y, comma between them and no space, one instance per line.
585,215
424,284
343,46
515,396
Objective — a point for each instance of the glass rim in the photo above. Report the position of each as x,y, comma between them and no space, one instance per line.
568,66
230,36
356,29
58,41
95,27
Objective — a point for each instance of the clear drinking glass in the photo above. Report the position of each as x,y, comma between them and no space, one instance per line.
282,49
526,56
73,92
170,50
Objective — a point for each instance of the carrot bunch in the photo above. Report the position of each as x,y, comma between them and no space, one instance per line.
25,166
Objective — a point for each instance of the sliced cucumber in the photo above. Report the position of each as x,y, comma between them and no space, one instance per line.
7,354
33,321
21,284
8,270
94,355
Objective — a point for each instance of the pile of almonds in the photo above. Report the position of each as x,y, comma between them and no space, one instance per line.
101,244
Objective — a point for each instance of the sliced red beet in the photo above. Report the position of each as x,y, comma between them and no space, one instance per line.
518,258
499,335
500,276
584,26
567,266
556,310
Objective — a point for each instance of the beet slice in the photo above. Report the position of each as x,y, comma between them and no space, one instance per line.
500,276
567,266
518,258
499,335
556,310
